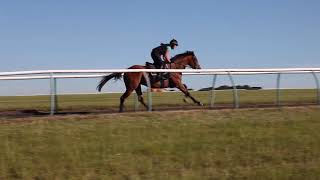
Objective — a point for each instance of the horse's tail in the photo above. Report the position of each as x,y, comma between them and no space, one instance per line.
105,79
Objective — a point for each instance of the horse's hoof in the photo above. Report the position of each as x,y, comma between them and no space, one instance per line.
184,100
200,103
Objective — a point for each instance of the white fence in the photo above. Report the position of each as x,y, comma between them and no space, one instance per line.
53,75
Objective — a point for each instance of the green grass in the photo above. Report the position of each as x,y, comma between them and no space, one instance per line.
160,100
229,144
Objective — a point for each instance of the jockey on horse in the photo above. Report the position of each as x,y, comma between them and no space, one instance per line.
134,80
161,56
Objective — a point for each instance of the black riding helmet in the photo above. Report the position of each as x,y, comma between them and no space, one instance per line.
173,42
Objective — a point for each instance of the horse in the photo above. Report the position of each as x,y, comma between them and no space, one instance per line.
134,80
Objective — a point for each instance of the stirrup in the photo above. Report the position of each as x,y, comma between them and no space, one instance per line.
166,75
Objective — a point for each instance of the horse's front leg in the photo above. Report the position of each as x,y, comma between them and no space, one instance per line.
183,89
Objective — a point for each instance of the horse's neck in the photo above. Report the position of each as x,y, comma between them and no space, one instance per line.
178,65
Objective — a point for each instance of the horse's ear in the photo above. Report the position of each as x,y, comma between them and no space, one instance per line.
190,52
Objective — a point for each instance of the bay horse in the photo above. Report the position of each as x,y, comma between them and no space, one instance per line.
134,80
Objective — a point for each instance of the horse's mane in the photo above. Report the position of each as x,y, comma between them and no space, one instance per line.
178,56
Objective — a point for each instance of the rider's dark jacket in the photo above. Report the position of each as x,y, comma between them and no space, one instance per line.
157,52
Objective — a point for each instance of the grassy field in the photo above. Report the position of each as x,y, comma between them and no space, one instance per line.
110,102
209,144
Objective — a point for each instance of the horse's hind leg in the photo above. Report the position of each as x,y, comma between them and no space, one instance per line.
183,88
123,98
140,98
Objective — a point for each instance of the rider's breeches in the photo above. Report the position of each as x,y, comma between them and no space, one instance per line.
157,60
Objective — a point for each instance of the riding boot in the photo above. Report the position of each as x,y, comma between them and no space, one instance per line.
164,75
159,76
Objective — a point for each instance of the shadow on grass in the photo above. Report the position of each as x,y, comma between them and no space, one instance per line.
25,113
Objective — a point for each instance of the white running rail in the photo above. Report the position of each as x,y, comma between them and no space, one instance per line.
53,75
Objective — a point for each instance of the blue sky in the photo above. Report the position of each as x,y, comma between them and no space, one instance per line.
116,34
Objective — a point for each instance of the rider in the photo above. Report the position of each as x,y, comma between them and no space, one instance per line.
163,52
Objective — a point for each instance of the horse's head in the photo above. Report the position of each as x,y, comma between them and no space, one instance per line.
194,64
187,59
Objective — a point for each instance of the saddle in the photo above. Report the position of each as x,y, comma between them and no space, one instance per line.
150,65
155,77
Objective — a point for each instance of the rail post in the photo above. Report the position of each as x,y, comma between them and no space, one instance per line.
317,85
149,91
53,94
278,101
212,95
235,91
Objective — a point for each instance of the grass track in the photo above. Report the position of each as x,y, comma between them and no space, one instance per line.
110,102
209,144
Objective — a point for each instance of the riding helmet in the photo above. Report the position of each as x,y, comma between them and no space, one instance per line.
174,42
